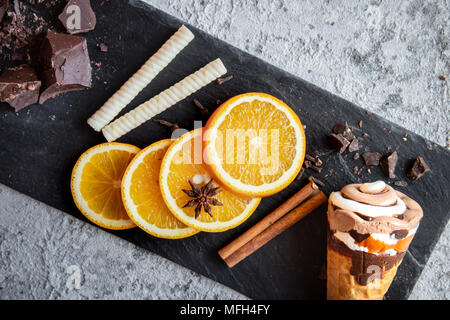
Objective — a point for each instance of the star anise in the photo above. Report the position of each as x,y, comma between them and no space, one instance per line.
203,197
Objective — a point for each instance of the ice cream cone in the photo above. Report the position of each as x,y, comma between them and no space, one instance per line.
370,227
342,285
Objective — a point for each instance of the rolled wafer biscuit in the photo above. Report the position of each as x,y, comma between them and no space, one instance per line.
164,100
141,78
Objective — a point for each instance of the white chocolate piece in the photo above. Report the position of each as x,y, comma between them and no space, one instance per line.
164,100
130,89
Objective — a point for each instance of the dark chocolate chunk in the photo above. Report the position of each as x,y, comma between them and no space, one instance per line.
66,65
400,234
354,145
359,237
371,158
78,16
343,129
418,169
338,142
19,87
388,165
401,183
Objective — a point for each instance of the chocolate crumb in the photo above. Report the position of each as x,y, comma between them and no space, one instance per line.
355,169
371,158
401,183
360,123
368,112
356,156
338,142
388,165
441,77
418,169
307,164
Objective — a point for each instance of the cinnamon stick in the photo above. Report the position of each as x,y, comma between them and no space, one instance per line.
307,191
277,228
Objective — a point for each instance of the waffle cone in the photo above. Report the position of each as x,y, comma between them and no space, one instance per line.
342,285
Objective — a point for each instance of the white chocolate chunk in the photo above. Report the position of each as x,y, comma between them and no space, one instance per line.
141,78
164,100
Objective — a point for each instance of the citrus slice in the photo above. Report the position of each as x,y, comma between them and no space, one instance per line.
183,163
142,197
96,181
254,144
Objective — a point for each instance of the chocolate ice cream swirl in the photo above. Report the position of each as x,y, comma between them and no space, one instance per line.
372,208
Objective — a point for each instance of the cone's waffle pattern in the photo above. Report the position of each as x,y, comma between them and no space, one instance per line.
341,285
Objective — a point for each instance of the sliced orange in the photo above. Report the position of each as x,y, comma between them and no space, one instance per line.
254,144
142,197
183,163
96,181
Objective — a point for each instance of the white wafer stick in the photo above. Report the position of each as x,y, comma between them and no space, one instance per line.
141,78
164,100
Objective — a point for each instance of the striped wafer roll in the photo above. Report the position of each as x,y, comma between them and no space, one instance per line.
141,78
164,100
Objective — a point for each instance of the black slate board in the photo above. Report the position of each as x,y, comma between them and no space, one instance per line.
40,145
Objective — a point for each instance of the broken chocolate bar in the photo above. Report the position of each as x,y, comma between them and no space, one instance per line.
418,169
19,87
371,158
78,16
338,142
66,65
388,165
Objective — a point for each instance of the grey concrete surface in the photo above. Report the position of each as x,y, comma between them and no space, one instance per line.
386,56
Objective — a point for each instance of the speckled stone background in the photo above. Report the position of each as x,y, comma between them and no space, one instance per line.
390,57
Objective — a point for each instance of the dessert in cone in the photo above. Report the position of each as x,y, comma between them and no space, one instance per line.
370,228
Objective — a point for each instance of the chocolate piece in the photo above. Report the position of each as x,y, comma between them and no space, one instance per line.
359,237
343,129
354,145
400,234
418,169
401,183
371,158
388,165
78,16
338,142
19,87
356,156
66,65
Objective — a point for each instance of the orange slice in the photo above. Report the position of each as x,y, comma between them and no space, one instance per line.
96,181
142,197
183,162
254,144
